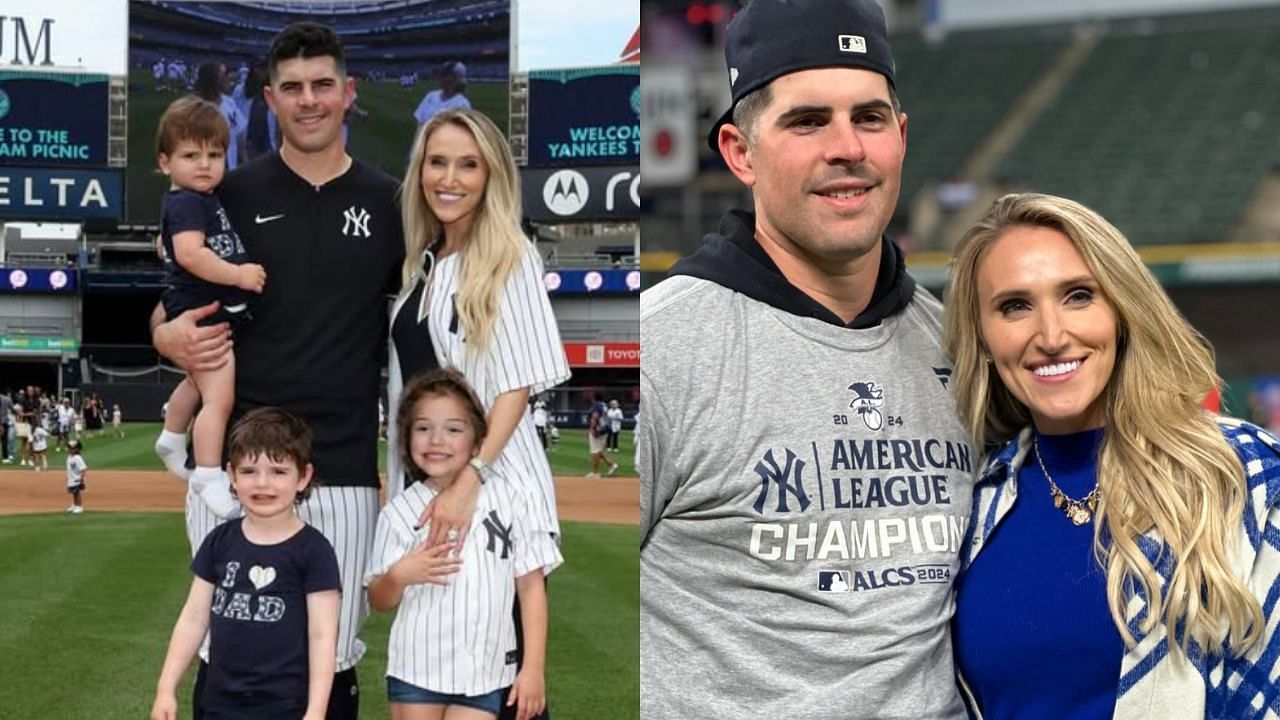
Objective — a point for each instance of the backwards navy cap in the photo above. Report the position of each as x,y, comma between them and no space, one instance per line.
771,38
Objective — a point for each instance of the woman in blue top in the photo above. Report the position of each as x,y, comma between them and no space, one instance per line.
1119,564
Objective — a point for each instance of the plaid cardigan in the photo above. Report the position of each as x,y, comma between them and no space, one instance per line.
1153,684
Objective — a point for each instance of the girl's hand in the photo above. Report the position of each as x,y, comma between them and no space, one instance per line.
165,708
530,692
428,564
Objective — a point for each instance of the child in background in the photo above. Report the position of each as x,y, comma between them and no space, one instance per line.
207,262
77,470
39,444
453,640
266,588
116,419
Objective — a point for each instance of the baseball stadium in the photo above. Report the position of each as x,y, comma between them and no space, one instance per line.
1088,191
91,598
1158,115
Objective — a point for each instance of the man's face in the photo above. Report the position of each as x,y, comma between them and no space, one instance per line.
827,163
309,97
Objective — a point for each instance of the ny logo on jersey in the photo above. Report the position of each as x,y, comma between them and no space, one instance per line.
498,533
355,222
787,478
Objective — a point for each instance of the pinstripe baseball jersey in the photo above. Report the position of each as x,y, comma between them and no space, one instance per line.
460,638
524,352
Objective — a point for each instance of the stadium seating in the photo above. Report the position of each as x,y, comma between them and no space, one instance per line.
955,91
1167,131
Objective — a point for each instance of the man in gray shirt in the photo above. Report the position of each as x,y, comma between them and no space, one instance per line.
805,484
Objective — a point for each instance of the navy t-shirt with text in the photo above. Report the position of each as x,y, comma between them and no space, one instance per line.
258,621
185,210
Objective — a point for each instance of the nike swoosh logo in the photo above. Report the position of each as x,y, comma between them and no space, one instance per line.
260,220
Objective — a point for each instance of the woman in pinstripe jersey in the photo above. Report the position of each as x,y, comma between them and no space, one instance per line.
473,300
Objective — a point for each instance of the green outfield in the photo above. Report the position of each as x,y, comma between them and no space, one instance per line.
89,602
134,451
383,138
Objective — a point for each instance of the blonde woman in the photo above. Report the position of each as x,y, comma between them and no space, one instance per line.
473,300
1123,560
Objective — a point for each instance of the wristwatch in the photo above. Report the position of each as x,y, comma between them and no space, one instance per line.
482,469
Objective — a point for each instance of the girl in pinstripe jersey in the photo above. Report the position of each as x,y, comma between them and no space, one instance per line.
452,648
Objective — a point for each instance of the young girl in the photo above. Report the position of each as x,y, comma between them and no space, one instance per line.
452,648
76,472
22,431
208,263
266,589
39,444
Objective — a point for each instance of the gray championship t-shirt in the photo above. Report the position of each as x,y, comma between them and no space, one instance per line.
805,489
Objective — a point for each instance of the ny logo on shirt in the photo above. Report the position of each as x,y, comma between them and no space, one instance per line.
788,478
498,533
355,222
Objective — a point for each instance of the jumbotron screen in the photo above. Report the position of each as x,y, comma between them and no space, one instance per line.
398,51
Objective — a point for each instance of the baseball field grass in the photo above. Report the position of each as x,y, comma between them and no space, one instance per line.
134,451
88,604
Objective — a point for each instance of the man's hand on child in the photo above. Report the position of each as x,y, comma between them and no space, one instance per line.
428,564
192,347
530,692
252,277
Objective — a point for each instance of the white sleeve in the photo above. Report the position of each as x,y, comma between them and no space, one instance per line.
525,350
420,114
534,549
391,541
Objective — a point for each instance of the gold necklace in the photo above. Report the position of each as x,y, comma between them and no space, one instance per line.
1080,511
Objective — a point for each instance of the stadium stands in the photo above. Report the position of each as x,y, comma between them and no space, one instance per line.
955,91
1167,129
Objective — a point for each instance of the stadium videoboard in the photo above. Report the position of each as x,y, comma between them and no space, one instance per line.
584,117
395,52
53,119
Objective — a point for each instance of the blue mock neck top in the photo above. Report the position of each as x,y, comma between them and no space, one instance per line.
1033,635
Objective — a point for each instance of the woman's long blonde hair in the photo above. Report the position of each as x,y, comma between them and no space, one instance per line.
1163,464
493,247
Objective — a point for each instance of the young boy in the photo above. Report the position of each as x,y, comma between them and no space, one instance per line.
76,472
266,588
208,263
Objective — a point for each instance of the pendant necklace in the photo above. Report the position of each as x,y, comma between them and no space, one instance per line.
1080,511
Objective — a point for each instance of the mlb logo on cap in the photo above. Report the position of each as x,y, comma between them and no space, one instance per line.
853,44
771,38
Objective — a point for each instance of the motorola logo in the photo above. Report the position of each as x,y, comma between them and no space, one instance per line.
565,192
